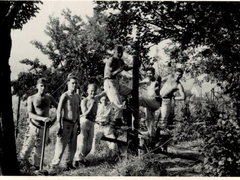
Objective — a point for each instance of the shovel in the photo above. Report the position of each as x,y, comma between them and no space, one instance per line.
41,171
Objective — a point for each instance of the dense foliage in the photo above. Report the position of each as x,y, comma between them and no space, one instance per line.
204,38
75,47
190,24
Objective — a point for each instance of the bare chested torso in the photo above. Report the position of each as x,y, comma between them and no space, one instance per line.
71,106
40,105
151,88
169,87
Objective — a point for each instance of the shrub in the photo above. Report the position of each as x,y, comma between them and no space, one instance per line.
221,148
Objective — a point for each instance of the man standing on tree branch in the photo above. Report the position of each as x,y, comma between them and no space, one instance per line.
112,87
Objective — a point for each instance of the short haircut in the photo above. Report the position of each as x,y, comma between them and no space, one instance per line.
179,70
42,81
92,85
150,69
119,47
71,76
105,97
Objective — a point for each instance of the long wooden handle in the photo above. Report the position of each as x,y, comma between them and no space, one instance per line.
43,145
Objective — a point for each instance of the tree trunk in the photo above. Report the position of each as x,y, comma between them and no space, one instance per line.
9,163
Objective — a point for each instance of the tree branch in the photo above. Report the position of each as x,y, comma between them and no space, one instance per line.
9,19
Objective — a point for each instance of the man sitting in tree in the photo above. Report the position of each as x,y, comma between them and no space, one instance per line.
112,87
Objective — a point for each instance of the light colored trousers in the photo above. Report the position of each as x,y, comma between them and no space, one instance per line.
84,139
69,137
33,144
165,111
151,105
113,90
99,132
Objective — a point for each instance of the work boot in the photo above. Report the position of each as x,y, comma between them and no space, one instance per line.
81,163
52,169
69,167
34,167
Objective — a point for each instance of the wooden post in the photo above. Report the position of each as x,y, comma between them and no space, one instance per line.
135,92
132,120
18,115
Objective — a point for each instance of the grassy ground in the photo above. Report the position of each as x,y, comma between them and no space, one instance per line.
127,164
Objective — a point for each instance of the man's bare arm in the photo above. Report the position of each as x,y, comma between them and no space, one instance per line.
59,109
144,81
100,95
181,92
86,110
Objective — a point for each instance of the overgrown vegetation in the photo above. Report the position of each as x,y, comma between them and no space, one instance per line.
205,40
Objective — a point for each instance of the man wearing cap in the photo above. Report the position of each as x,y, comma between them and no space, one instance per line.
39,105
89,106
112,87
68,124
151,100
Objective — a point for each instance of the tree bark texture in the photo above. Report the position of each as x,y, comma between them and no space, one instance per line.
8,158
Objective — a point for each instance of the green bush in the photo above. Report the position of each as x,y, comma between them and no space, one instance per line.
221,148
217,128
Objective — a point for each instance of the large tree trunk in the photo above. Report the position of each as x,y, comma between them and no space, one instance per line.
8,156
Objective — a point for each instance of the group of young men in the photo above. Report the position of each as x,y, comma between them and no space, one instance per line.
81,132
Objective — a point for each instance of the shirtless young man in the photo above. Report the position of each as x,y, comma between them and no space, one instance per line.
151,100
112,87
38,110
68,124
171,85
89,106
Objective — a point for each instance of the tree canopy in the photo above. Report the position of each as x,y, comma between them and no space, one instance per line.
17,13
75,47
191,24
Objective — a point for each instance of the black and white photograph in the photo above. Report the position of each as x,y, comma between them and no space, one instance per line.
119,88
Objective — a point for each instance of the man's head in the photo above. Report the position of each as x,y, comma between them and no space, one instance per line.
91,90
178,74
118,51
41,85
104,100
72,82
150,72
